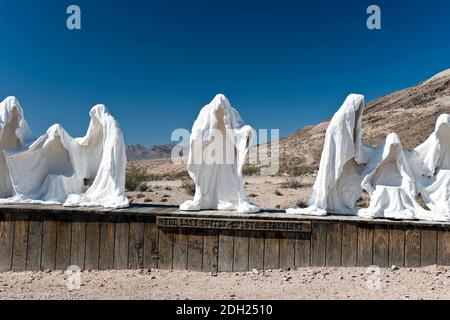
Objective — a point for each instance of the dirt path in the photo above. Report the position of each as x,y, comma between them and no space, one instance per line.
307,283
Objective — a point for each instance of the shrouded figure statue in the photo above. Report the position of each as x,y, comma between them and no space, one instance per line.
431,165
338,183
219,143
14,133
391,185
57,168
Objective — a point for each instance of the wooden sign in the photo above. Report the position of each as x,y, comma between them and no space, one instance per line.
234,224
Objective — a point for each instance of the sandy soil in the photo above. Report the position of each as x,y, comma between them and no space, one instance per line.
268,192
305,283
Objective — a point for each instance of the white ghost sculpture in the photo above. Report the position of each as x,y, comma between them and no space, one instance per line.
14,133
338,182
431,164
391,184
87,171
219,143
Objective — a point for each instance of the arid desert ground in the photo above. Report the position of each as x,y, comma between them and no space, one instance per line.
304,283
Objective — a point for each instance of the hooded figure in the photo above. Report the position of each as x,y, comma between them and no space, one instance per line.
431,164
57,168
14,133
219,143
338,183
391,185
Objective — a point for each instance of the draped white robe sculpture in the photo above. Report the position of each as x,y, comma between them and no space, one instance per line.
14,133
87,171
219,143
391,184
338,183
431,161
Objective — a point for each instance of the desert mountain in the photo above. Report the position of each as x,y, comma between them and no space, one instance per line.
412,113
138,152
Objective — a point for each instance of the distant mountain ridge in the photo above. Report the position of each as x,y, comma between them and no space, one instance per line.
139,152
411,113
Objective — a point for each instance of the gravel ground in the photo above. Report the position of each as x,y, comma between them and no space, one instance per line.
303,283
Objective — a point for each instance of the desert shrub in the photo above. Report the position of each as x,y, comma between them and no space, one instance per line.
142,187
134,178
249,170
252,195
189,186
301,204
148,200
292,182
278,193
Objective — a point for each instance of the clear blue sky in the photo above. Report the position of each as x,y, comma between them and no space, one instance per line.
155,63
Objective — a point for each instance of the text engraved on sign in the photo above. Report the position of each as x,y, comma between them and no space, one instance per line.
238,224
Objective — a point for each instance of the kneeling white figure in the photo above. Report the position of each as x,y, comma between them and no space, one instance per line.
87,171
338,182
431,164
391,184
219,143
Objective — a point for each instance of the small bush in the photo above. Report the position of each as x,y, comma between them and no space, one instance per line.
148,200
278,193
292,182
189,186
134,178
142,187
168,188
249,170
252,195
301,204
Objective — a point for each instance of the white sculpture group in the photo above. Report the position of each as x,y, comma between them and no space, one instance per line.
393,177
90,171
59,169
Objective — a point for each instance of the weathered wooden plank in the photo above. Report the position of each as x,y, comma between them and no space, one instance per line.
444,247
136,245
412,247
241,251
180,249
210,250
121,235
78,243
226,249
381,246
271,251
63,242
92,243
6,240
318,244
428,247
49,235
195,250
349,245
303,250
107,234
287,250
151,254
397,247
21,224
256,250
34,241
334,245
365,246
166,238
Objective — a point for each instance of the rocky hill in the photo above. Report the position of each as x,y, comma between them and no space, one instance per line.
411,113
138,152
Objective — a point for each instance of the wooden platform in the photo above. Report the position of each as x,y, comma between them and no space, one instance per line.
54,237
